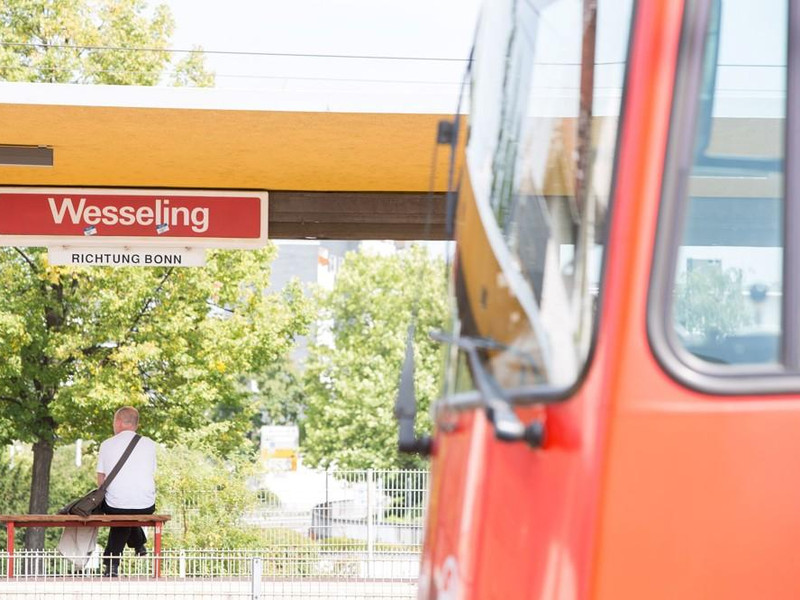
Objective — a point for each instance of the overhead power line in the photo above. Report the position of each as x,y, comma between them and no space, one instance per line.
310,55
49,69
235,52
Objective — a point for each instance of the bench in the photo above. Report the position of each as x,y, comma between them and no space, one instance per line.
155,521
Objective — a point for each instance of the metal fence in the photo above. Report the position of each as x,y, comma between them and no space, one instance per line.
353,534
207,575
358,511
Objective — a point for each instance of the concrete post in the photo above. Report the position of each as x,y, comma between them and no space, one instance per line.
370,522
256,580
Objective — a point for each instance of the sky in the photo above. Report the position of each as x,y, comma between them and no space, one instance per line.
383,28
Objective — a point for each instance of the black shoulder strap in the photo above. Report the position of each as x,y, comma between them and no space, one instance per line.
121,461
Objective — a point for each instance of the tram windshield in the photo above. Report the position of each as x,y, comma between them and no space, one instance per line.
543,211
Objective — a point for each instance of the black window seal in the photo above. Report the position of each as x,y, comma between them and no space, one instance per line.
791,237
674,358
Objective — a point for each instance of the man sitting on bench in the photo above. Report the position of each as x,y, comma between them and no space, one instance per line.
133,490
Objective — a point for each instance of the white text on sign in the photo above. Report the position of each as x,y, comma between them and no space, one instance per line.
161,213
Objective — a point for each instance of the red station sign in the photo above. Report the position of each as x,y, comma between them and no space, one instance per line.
143,218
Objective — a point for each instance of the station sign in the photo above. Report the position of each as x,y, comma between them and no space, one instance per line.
107,256
132,218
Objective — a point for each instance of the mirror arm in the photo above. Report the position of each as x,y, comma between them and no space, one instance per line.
499,410
405,407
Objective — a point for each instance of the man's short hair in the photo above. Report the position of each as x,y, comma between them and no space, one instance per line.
127,415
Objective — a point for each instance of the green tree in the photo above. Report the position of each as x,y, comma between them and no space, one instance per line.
68,482
279,395
207,503
79,342
15,477
117,42
351,386
210,505
711,302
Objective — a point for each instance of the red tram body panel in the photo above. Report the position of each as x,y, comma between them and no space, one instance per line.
670,425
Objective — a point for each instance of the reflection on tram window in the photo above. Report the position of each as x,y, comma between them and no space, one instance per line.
535,297
729,271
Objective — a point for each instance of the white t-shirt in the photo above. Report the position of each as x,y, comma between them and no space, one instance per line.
134,486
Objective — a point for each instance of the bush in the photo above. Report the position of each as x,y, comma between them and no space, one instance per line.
268,498
15,482
342,544
67,482
289,553
207,498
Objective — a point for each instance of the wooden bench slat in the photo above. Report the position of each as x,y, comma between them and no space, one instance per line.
25,519
142,520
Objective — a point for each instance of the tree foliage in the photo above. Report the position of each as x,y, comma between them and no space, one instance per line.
208,501
15,476
279,395
212,507
710,301
80,342
351,385
118,42
69,482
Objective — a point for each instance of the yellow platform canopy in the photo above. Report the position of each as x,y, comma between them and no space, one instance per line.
336,165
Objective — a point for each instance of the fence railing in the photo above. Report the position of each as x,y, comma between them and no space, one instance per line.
353,534
211,575
275,563
359,510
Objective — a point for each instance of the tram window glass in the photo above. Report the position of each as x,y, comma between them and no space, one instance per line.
729,270
523,153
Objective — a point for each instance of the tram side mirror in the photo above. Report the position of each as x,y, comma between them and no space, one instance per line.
405,407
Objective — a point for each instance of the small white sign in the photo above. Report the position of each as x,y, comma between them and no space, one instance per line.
126,257
280,437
